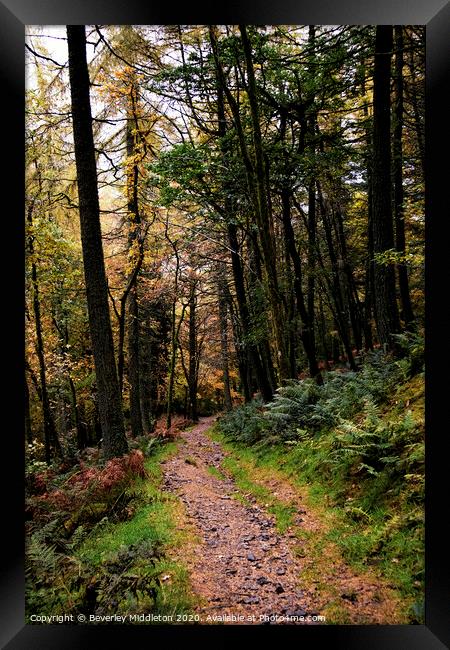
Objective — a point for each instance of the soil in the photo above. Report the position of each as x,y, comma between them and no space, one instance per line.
241,569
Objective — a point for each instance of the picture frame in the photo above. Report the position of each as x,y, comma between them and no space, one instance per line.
435,14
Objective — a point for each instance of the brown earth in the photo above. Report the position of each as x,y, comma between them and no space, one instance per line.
245,572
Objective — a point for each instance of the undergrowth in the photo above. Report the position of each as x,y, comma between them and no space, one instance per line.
357,444
97,538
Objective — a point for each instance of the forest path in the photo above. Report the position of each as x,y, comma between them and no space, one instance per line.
239,564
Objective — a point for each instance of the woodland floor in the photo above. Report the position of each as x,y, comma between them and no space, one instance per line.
241,565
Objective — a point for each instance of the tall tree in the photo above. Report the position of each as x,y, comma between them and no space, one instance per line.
259,191
305,317
51,440
193,366
248,356
175,330
223,322
109,398
312,211
399,195
28,429
133,243
368,279
386,310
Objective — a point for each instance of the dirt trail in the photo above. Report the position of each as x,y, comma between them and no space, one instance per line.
240,566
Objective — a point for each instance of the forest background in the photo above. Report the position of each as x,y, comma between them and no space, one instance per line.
261,202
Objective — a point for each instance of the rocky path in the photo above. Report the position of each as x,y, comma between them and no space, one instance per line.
242,570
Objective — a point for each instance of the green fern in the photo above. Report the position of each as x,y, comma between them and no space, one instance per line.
247,424
41,559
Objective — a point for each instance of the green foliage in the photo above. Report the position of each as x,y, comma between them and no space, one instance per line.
360,448
412,345
377,445
304,407
343,394
147,445
215,472
392,257
104,565
294,403
246,423
179,172
42,557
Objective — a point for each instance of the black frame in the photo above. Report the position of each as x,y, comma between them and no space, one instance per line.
435,14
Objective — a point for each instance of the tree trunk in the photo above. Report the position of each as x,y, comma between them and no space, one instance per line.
34,379
311,259
258,311
262,379
80,429
121,316
238,277
259,192
291,314
175,332
193,356
323,334
109,398
133,364
307,340
51,440
63,331
340,311
134,221
223,323
386,311
369,272
397,151
28,429
248,355
148,407
256,184
311,207
348,282
173,358
242,351
85,426
417,110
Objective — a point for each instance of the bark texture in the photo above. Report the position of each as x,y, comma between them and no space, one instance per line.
109,398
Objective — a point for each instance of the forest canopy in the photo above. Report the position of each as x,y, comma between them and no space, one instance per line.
259,199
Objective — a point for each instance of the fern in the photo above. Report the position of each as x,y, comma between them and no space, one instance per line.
78,536
41,559
412,345
247,423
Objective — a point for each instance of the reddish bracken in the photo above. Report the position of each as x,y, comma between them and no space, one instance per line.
39,482
97,482
169,434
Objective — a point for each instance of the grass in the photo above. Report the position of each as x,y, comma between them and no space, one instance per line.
215,472
153,524
373,522
239,470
